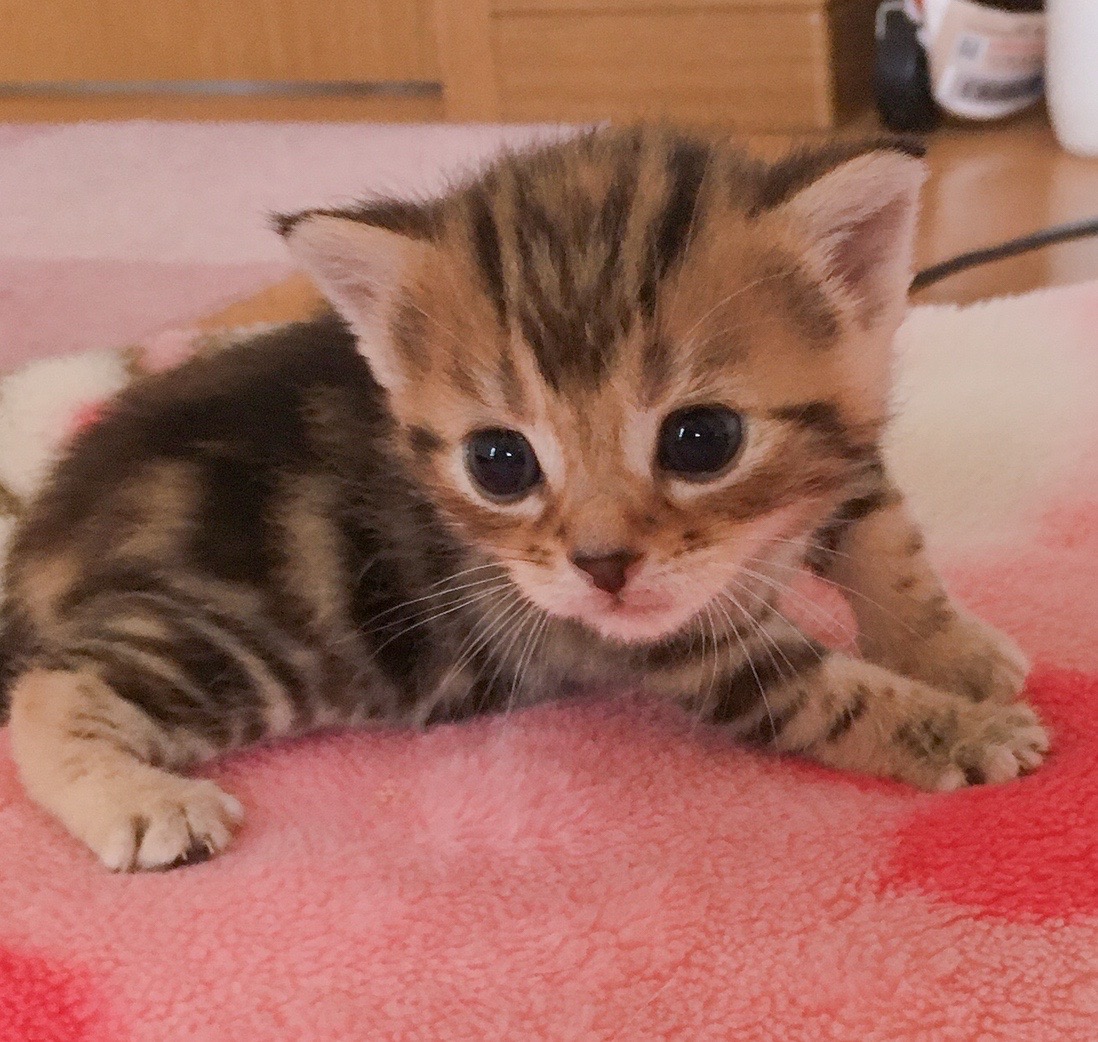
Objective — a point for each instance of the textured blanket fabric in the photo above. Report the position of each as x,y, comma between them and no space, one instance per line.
598,870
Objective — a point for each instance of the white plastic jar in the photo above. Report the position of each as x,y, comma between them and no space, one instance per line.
1072,73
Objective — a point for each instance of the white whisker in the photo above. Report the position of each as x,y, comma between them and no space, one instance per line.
767,642
809,545
751,664
463,572
480,635
793,628
506,628
861,596
817,611
533,642
439,597
450,609
726,300
705,702
514,634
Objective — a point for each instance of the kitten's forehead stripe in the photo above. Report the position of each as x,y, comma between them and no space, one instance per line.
510,384
570,313
687,165
592,227
462,379
487,249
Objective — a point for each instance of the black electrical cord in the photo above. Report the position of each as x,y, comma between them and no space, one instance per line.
1010,248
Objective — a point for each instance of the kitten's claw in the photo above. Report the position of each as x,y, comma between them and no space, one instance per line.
186,823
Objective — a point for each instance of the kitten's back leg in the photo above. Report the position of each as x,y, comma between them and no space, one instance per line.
103,767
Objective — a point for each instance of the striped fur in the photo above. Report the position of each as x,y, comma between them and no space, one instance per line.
283,537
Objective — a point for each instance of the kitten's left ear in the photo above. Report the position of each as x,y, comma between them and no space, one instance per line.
361,269
862,215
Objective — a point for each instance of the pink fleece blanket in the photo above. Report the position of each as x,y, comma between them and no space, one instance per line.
603,871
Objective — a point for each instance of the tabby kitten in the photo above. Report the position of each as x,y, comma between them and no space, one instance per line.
577,422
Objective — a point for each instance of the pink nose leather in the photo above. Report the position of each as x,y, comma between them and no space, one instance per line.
607,571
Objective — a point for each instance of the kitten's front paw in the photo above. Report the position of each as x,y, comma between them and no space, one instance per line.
967,657
166,824
973,745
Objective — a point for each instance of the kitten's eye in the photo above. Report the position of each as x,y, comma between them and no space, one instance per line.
502,463
698,443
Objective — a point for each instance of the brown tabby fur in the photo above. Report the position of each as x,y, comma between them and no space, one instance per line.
283,537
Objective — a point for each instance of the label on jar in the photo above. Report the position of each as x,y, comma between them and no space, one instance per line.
984,63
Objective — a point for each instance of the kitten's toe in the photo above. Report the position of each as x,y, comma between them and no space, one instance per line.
188,822
995,744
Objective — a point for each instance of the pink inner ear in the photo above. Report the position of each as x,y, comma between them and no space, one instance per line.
863,258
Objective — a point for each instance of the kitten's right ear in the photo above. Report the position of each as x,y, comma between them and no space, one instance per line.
860,211
361,269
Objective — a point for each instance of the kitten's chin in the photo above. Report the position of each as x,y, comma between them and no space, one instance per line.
626,623
646,628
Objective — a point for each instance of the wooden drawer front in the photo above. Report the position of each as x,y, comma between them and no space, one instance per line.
282,40
770,66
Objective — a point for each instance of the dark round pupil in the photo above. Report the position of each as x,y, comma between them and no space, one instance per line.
699,441
502,463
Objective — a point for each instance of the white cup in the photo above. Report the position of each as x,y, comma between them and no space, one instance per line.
1072,73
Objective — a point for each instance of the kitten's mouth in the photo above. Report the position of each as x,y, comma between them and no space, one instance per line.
632,617
635,607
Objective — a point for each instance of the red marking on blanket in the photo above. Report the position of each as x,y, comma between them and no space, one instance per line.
42,1001
1026,851
1044,592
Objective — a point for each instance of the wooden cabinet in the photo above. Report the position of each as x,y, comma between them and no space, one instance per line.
778,64
293,41
774,64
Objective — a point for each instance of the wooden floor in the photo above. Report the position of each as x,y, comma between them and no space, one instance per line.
988,183
993,183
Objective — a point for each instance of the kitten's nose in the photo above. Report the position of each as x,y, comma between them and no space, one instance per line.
607,571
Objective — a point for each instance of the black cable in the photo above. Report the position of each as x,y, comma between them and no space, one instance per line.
1010,248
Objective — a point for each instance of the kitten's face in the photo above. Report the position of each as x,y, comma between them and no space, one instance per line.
627,405
634,502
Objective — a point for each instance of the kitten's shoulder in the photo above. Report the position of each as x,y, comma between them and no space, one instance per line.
259,402
249,390
293,356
